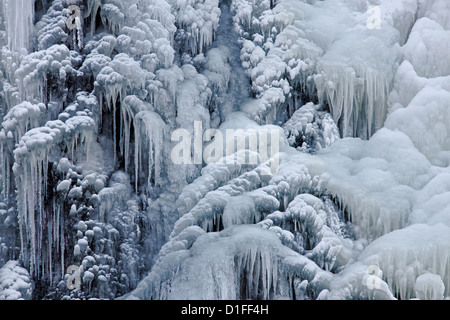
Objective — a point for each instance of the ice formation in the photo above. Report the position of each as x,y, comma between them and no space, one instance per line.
310,129
19,30
349,201
230,269
31,163
15,282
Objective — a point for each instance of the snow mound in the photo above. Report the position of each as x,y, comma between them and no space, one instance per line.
310,129
15,282
407,255
242,261
427,48
429,287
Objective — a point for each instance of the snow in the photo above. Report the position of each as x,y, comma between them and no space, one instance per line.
199,20
424,122
32,74
113,17
393,157
435,10
426,48
16,122
406,255
64,186
310,129
116,193
31,160
51,29
15,282
377,181
353,83
217,263
429,287
206,211
411,84
21,117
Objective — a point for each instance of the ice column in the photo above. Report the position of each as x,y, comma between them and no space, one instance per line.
19,15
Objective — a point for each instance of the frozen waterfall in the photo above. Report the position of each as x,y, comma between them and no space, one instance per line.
19,16
225,149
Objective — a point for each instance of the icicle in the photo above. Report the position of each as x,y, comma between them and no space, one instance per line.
63,244
150,154
50,244
353,92
114,127
80,38
19,16
31,172
137,143
93,6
